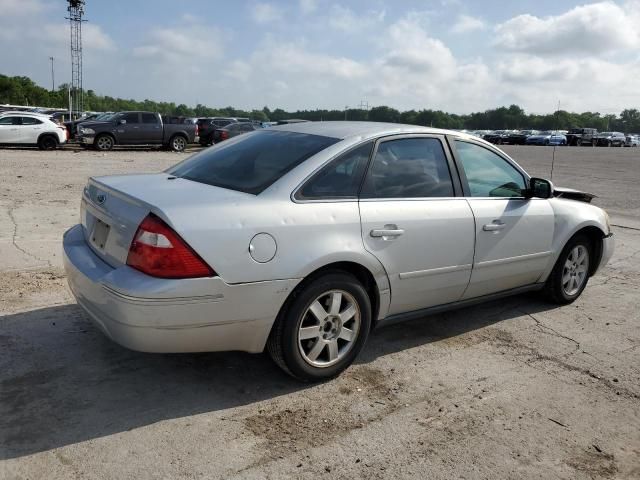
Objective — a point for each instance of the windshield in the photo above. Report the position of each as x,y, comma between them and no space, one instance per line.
104,116
606,134
252,162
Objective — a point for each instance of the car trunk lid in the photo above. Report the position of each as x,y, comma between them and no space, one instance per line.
113,207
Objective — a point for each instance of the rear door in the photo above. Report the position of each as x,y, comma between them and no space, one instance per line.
513,234
413,222
150,128
30,129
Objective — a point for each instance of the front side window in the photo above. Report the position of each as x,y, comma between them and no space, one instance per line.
131,117
341,178
9,121
251,163
409,168
488,174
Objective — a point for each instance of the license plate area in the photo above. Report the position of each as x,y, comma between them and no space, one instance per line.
100,234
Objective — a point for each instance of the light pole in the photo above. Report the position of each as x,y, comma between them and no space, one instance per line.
53,77
346,107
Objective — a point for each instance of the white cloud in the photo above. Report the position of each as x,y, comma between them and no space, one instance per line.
590,29
308,6
265,13
466,24
21,8
346,20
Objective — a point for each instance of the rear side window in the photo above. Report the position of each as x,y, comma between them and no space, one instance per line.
30,121
409,168
148,118
341,178
251,163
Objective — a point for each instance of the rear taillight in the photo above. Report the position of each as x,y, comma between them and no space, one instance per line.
224,135
158,250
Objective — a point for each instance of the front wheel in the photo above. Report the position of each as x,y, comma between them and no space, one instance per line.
570,274
323,328
178,143
104,142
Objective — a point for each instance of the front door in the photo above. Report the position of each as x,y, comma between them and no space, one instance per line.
9,129
128,133
513,234
413,223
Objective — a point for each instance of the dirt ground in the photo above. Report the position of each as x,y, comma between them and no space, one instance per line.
516,388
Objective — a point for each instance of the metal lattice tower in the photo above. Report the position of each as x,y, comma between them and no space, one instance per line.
76,11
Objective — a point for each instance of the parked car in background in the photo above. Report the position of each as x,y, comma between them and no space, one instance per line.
546,138
632,141
302,238
207,127
72,126
520,138
611,139
233,130
582,136
136,128
25,128
497,137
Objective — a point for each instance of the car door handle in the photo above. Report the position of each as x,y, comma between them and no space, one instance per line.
494,226
391,231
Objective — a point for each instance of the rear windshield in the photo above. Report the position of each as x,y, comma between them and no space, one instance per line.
252,162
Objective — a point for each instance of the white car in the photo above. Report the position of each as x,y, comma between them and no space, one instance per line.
27,128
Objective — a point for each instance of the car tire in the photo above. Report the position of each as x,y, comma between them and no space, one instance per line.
309,340
570,274
178,143
47,142
103,142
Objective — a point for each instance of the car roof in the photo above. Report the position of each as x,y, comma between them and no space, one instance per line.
22,114
343,130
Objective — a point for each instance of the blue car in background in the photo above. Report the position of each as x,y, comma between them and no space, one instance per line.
547,138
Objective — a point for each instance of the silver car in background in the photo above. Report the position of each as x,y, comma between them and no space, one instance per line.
303,237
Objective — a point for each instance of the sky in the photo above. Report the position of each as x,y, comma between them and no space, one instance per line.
455,55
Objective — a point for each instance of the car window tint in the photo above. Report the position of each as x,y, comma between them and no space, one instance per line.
30,121
131,117
341,178
251,163
7,120
488,174
148,118
409,168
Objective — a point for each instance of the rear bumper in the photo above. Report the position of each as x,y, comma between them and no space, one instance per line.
158,315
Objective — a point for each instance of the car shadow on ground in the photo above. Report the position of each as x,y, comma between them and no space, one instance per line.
62,381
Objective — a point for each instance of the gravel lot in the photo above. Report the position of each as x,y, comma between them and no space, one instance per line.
511,389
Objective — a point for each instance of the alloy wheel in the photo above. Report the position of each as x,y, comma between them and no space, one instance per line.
329,328
575,270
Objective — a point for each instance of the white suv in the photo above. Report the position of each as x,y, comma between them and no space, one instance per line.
27,128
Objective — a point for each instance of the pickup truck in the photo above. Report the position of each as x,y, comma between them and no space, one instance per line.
582,136
136,128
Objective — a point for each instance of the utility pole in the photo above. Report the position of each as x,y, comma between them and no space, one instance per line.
76,11
53,77
346,107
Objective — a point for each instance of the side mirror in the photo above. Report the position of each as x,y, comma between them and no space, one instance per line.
122,122
540,188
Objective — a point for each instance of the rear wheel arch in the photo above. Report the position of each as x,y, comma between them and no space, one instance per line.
48,138
357,270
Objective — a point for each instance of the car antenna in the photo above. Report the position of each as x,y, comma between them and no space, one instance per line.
553,155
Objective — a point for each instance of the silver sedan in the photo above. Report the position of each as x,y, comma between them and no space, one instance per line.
302,238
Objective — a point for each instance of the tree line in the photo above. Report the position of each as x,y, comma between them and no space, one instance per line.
23,91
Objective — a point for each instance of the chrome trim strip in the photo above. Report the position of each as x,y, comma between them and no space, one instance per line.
162,301
434,271
519,258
